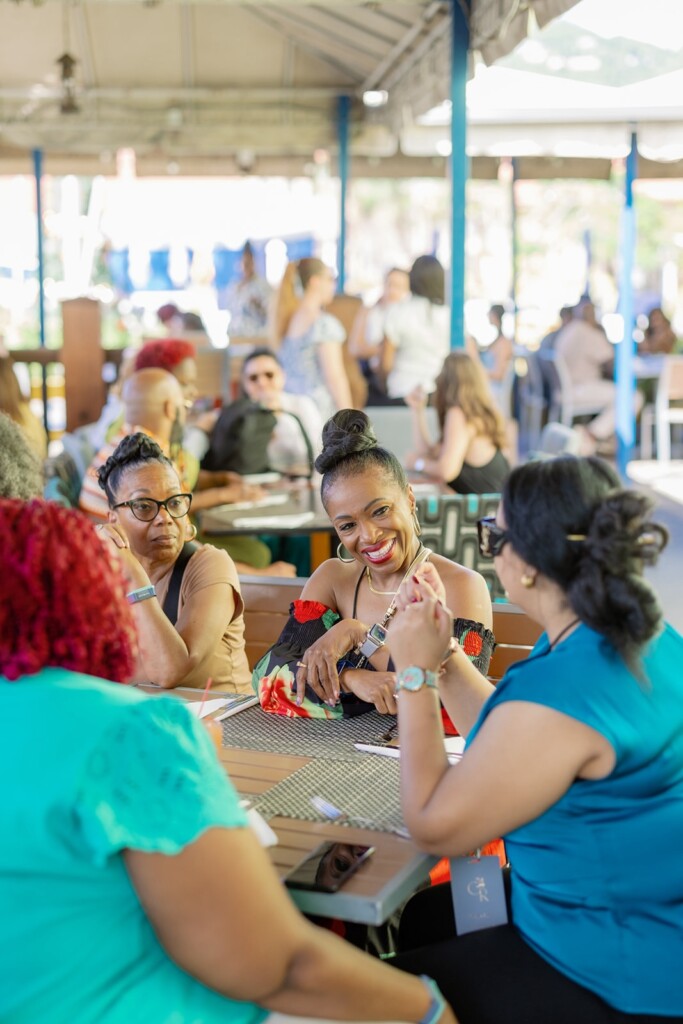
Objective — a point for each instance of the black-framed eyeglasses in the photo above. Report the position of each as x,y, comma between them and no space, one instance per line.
492,537
147,509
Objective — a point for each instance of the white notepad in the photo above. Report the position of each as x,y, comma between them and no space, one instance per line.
241,506
225,706
455,746
274,522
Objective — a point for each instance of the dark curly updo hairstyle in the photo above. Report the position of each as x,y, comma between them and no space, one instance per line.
132,451
573,521
350,447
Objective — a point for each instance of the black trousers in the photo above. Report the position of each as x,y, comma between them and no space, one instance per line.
493,976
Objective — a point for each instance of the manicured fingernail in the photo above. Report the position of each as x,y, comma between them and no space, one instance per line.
415,579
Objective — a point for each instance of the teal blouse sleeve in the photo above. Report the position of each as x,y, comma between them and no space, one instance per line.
153,783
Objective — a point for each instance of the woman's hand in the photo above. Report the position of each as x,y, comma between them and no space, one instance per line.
417,398
116,542
424,583
239,491
420,633
376,688
318,668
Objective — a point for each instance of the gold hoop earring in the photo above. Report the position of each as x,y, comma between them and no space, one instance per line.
193,532
416,523
340,548
527,580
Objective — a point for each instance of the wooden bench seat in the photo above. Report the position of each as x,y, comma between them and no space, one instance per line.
266,610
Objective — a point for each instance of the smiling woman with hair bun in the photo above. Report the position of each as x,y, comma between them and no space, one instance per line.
332,658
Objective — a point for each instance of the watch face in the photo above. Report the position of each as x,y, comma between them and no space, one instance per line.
377,633
415,678
412,678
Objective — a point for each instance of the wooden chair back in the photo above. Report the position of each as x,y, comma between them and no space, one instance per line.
266,610
515,635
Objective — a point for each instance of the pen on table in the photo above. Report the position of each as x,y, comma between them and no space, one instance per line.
209,681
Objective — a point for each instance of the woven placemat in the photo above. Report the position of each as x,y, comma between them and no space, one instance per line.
254,729
366,789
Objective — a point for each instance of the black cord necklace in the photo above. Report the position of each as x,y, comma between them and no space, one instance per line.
563,632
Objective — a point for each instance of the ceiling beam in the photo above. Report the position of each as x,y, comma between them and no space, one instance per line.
400,48
314,51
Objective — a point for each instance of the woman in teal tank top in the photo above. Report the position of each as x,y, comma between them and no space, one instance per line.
576,759
131,890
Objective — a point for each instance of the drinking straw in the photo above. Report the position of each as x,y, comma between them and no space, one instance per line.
209,681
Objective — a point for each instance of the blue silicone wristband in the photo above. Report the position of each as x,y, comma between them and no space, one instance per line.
141,594
438,1003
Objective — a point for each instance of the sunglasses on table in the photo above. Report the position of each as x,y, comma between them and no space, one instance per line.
491,536
147,509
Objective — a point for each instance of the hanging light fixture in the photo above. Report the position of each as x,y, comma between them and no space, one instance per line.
68,104
67,63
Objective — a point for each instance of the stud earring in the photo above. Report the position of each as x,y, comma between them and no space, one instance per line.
527,580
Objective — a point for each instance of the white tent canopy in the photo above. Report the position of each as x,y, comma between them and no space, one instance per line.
227,86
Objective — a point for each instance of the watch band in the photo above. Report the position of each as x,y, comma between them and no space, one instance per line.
375,638
141,594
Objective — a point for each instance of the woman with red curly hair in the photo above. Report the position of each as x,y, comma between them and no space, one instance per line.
176,356
43,621
124,844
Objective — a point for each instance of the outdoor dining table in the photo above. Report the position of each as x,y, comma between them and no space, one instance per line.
278,763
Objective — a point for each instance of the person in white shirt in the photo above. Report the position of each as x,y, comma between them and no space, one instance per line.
417,332
368,330
248,300
589,359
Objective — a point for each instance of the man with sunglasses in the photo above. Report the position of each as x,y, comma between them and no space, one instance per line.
296,439
267,429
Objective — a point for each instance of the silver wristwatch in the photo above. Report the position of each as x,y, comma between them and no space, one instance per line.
374,639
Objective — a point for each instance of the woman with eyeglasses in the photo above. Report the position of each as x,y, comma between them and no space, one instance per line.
186,597
576,759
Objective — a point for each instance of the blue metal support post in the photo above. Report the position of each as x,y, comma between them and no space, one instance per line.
343,111
460,41
624,375
38,173
515,242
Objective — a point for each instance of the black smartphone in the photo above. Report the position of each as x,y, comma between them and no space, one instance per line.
328,866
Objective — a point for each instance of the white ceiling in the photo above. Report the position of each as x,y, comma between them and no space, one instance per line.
228,87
